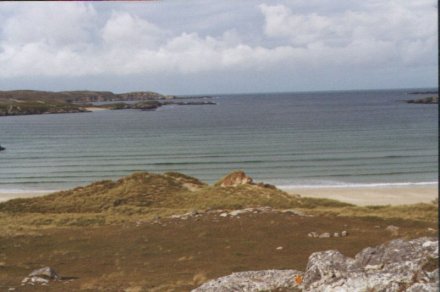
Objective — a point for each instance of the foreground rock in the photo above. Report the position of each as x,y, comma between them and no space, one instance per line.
254,281
399,265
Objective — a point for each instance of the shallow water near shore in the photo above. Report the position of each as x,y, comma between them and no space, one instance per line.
350,138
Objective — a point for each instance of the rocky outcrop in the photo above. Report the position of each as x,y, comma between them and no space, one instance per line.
395,266
239,178
399,265
424,92
237,213
234,179
147,105
267,280
426,100
142,95
30,102
188,103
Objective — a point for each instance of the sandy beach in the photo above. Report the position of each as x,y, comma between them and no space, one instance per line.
95,109
364,196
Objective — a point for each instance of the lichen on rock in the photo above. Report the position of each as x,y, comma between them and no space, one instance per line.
399,265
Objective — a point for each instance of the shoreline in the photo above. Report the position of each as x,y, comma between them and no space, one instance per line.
357,195
367,196
5,195
95,109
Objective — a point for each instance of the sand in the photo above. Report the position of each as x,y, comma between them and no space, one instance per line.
95,109
363,196
4,196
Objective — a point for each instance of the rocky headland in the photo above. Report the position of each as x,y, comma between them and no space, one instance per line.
173,232
29,102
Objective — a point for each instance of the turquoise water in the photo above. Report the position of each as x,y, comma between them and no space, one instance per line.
288,139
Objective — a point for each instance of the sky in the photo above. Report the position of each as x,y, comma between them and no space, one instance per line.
209,47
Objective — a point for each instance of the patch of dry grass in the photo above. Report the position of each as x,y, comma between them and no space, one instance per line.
419,212
178,255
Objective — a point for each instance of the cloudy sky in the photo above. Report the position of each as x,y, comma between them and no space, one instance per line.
229,46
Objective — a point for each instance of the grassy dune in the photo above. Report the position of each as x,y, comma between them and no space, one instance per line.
147,195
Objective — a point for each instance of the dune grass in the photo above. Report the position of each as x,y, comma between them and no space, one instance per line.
146,196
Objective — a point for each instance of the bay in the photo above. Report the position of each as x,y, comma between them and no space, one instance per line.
345,138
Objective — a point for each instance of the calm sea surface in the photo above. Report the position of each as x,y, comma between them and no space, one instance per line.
288,139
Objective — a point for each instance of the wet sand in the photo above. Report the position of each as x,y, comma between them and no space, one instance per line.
364,196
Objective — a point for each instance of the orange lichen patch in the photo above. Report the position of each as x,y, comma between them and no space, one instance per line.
298,279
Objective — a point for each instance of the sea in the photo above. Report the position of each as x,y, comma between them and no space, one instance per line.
301,139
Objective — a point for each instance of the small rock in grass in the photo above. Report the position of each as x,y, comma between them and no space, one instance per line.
394,230
293,212
237,212
325,235
46,272
41,277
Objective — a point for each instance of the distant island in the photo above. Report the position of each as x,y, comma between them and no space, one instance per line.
30,102
425,100
424,92
433,99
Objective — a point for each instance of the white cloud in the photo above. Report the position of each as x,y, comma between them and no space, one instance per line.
56,25
78,39
402,31
126,30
